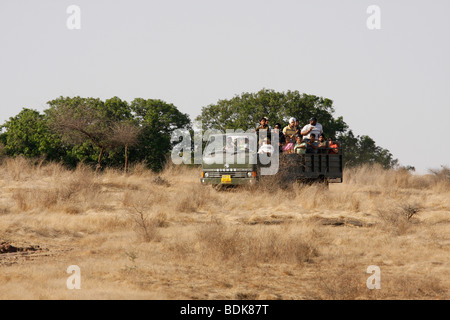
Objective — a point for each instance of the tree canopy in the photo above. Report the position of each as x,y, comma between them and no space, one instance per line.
29,135
91,130
158,120
363,150
245,111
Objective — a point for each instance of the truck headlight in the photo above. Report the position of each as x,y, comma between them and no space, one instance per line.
206,174
249,174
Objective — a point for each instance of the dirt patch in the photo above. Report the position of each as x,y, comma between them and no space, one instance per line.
343,222
6,247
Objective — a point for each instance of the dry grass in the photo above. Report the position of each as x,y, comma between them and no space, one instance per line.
164,236
263,244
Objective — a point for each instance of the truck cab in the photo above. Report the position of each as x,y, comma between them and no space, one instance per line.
230,159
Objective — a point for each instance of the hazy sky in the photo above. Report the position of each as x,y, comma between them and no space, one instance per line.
391,84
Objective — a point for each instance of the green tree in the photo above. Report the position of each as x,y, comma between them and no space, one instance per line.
245,111
80,120
28,134
363,149
157,120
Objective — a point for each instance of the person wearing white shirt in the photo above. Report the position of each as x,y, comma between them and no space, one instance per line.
266,147
312,127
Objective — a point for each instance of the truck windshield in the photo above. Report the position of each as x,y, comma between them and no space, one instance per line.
231,144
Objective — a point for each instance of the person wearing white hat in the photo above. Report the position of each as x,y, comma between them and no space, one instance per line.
289,130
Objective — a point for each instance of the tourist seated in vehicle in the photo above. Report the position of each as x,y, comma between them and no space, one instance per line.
297,129
266,147
230,146
333,147
312,144
289,130
323,144
288,146
263,126
312,127
300,146
244,145
281,138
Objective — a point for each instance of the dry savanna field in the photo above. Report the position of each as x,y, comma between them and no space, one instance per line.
165,236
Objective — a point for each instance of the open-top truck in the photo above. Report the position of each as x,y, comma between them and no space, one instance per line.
232,159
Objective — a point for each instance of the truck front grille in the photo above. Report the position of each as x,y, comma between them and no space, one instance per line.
233,174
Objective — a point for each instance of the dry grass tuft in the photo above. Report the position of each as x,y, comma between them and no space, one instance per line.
397,217
261,244
71,191
411,287
341,282
192,199
145,224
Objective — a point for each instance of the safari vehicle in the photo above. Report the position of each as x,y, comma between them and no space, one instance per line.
243,165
